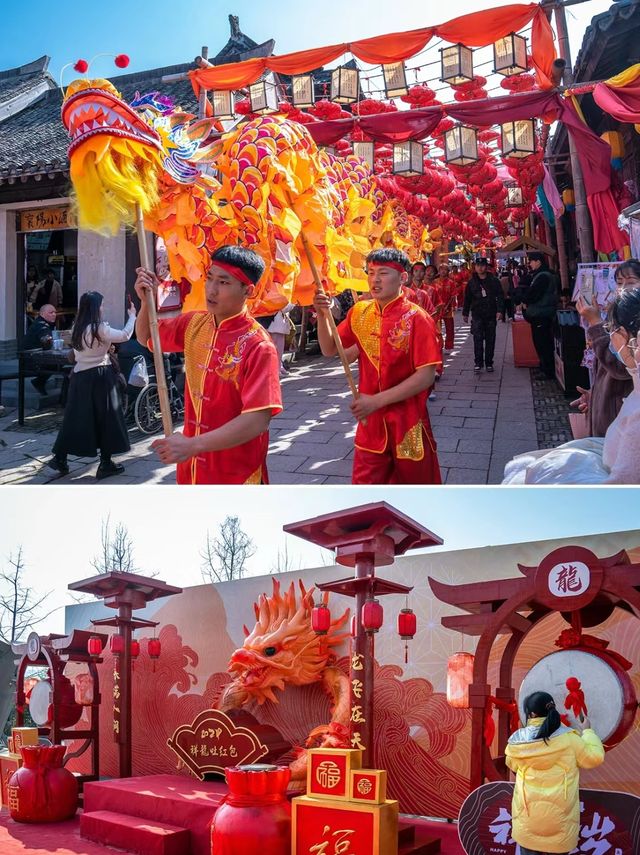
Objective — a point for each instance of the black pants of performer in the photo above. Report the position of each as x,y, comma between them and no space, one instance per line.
542,335
483,331
524,851
508,309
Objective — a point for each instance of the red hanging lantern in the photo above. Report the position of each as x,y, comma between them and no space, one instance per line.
116,645
154,648
94,646
135,648
459,678
321,619
407,627
372,616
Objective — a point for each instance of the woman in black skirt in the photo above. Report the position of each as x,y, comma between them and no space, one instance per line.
93,417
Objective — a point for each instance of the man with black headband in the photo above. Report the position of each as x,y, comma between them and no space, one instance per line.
232,376
398,353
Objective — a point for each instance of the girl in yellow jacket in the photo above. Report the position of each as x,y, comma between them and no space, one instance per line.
546,757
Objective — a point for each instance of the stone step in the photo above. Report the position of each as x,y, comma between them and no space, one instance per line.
424,843
133,834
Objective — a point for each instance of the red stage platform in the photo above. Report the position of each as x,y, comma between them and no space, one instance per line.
171,815
64,838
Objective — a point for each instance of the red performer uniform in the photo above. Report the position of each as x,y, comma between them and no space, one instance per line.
231,368
419,297
447,298
396,445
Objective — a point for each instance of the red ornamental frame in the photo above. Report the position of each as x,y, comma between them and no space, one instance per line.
495,608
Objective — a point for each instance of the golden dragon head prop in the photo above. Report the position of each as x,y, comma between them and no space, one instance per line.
281,649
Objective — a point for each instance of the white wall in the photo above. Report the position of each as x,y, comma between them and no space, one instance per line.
8,274
101,267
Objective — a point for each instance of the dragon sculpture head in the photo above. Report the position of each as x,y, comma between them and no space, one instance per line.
281,649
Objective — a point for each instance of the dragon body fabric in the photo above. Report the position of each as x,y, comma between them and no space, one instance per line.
260,184
282,649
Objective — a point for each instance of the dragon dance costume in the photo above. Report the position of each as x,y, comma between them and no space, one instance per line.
396,445
231,368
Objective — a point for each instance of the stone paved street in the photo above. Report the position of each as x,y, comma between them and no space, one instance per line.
479,424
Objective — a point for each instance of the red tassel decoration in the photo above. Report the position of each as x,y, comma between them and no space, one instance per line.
81,66
122,60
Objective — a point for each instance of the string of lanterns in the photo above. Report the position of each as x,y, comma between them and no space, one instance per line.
116,646
371,618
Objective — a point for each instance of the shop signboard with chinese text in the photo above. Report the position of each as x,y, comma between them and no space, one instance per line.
47,219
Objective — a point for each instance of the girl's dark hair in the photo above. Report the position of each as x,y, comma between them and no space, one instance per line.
542,705
625,311
630,266
381,256
239,256
88,320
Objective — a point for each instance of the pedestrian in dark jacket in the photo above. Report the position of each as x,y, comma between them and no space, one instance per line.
40,335
541,301
483,297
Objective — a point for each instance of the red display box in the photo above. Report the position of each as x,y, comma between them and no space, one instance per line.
329,772
356,828
368,785
9,763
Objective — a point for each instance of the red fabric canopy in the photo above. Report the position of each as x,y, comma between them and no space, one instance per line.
594,153
474,30
621,102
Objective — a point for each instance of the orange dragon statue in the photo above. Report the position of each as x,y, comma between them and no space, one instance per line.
282,649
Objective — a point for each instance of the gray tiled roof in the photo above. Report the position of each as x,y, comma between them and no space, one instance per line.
36,137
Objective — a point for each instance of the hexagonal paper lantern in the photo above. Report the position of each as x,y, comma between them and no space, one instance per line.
365,150
461,145
514,197
408,158
263,96
302,91
222,104
395,79
519,138
456,63
345,85
510,55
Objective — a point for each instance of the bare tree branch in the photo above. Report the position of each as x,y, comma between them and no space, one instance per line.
284,563
225,557
116,551
19,611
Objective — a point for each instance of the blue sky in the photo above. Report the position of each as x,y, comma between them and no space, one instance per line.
163,33
59,528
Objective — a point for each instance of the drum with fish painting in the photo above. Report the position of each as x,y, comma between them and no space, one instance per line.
609,694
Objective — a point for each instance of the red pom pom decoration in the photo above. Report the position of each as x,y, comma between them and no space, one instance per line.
122,60
81,66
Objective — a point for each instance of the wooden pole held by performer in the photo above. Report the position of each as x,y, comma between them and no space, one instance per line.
158,358
330,318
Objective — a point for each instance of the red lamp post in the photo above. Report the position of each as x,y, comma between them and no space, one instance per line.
364,538
125,593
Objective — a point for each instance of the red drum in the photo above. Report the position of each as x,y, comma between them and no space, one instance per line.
42,790
609,694
255,816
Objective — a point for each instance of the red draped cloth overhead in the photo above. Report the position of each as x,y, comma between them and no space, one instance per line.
594,153
474,30
621,102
